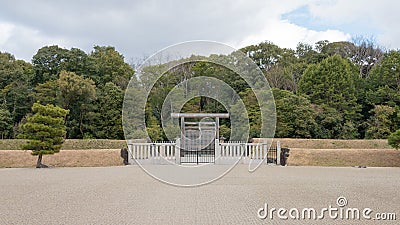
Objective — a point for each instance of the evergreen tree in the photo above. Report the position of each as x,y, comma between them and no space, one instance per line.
333,83
384,81
108,118
380,124
394,139
295,115
6,122
44,130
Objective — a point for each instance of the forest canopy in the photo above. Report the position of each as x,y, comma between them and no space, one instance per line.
342,90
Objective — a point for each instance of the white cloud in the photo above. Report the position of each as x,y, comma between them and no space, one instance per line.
288,35
23,42
377,18
5,32
141,27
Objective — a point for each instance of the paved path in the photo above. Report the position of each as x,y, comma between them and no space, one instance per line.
126,195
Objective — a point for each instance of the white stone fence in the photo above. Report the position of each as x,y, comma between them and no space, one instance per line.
225,153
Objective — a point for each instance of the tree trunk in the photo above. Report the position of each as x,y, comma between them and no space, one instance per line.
39,161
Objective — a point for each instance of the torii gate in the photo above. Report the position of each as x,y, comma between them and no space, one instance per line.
198,139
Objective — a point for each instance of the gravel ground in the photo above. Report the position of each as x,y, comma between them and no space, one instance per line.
126,195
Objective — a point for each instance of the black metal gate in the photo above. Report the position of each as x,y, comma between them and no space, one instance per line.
205,155
198,146
272,155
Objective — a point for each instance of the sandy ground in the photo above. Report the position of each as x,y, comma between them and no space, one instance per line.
127,195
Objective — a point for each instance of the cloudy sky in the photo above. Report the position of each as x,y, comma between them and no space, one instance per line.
138,28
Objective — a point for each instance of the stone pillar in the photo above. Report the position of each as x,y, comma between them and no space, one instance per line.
130,152
216,127
178,151
217,151
278,152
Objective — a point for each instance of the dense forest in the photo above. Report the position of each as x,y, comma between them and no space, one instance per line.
340,90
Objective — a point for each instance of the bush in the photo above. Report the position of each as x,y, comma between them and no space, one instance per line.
394,139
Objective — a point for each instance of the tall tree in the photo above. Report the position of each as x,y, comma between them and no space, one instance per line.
329,122
6,122
295,115
384,82
76,95
394,139
48,62
306,53
71,92
343,48
77,61
332,83
108,119
266,54
15,86
381,123
109,66
44,130
367,54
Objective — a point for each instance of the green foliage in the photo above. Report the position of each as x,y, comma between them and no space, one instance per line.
333,90
70,78
48,63
280,65
5,123
253,112
266,54
76,94
383,85
225,131
343,48
394,139
45,129
75,89
329,122
308,55
110,67
295,115
380,124
108,118
71,92
154,129
47,93
15,87
332,83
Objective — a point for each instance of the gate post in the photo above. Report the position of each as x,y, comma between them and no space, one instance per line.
130,153
217,151
278,152
178,151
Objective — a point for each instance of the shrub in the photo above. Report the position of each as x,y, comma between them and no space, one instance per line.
394,139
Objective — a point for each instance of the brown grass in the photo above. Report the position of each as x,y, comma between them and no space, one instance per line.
65,158
70,144
344,157
331,143
303,152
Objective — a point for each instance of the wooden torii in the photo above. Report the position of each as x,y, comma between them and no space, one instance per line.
182,117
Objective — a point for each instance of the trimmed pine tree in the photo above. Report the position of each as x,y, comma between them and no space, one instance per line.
45,131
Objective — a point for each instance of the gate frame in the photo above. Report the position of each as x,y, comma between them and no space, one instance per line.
216,116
